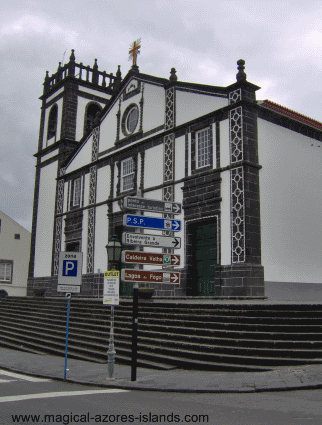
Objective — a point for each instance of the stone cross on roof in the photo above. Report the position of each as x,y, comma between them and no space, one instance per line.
134,50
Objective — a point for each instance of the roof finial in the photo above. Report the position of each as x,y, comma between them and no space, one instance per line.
241,75
173,76
72,56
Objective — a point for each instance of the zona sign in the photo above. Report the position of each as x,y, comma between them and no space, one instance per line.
131,275
135,257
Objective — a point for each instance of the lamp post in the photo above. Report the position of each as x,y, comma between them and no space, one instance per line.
113,249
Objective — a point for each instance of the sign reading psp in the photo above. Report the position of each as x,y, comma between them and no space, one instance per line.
70,271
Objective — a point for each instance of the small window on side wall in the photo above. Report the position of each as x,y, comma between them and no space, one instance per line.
6,272
203,148
52,122
127,174
76,195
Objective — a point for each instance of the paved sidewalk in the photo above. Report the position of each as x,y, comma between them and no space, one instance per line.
88,373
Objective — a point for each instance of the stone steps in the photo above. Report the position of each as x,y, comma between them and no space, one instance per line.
182,335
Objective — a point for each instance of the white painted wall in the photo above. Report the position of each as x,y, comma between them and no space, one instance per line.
45,220
193,105
153,167
83,156
86,190
225,219
179,161
153,107
49,155
108,129
16,250
224,143
101,238
291,202
103,183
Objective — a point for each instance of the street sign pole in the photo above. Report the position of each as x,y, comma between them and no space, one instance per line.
135,330
135,314
67,328
111,350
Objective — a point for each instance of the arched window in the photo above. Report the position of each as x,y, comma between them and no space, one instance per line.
52,122
90,115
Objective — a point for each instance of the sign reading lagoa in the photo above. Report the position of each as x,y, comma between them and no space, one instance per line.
70,271
151,222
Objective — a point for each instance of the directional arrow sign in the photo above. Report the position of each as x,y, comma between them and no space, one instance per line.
151,222
151,240
134,257
149,276
153,205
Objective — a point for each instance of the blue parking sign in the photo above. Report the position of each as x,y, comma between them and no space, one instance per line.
69,267
70,272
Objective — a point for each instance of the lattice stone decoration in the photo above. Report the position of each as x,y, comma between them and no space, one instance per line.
92,184
234,96
90,240
58,221
236,135
57,244
60,197
169,108
168,157
96,138
238,215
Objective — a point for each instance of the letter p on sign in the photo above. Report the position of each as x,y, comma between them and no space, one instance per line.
70,268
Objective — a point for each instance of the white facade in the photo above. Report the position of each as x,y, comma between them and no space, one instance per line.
247,178
14,256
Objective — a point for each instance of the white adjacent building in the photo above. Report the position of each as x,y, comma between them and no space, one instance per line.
247,173
14,256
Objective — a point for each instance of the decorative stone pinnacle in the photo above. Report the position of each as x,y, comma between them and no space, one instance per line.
173,76
95,66
241,75
118,72
72,56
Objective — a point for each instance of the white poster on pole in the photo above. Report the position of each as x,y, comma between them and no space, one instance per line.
111,287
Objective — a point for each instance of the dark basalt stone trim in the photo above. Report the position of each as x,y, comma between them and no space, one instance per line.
74,80
34,221
92,97
54,100
60,144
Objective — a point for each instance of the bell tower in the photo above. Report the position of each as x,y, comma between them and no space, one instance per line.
71,99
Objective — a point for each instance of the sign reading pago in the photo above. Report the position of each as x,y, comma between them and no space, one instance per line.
70,272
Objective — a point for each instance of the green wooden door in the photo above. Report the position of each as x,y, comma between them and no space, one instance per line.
205,257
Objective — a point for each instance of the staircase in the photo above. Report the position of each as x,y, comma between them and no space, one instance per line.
226,337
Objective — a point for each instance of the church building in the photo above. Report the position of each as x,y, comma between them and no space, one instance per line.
247,173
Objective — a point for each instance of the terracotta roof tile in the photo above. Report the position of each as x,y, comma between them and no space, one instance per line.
289,113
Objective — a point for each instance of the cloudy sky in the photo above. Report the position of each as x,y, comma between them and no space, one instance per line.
281,42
